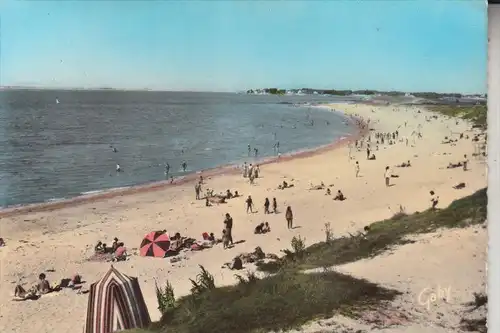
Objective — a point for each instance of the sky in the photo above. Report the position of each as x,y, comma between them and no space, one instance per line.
424,45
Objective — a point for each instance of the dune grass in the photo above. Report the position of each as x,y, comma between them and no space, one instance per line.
289,298
478,114
282,301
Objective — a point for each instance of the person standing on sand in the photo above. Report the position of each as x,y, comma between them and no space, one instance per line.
289,217
368,152
275,206
251,178
228,227
197,190
266,206
466,161
357,169
245,170
249,203
434,200
387,176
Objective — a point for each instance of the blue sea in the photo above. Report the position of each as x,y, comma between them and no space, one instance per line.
59,144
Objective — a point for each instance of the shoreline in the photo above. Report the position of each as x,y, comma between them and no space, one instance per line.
225,169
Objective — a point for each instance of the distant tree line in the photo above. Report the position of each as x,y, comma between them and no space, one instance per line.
426,95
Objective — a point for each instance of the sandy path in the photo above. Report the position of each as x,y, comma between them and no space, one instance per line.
60,239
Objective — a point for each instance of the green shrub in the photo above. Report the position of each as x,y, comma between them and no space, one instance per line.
165,297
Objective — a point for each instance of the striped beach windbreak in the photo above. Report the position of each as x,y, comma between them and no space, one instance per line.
116,303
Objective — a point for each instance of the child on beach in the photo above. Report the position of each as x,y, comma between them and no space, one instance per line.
387,176
434,200
225,239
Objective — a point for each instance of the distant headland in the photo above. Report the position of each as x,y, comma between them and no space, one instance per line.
333,92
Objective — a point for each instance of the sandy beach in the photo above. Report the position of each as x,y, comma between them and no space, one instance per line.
57,240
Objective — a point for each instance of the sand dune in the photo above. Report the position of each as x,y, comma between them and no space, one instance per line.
61,239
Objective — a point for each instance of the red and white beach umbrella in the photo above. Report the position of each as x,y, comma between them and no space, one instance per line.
115,304
155,244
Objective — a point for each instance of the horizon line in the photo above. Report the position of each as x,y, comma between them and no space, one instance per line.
3,88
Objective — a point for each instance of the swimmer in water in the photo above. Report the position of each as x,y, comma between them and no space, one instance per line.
167,169
184,166
115,150
118,168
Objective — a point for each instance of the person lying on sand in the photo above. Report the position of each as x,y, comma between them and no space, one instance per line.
218,199
69,282
404,165
328,192
284,186
454,165
317,187
459,186
21,294
2,242
372,157
340,196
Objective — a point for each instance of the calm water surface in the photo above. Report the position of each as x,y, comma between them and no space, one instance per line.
59,150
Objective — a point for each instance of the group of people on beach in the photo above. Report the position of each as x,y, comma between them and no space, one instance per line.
251,172
117,250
